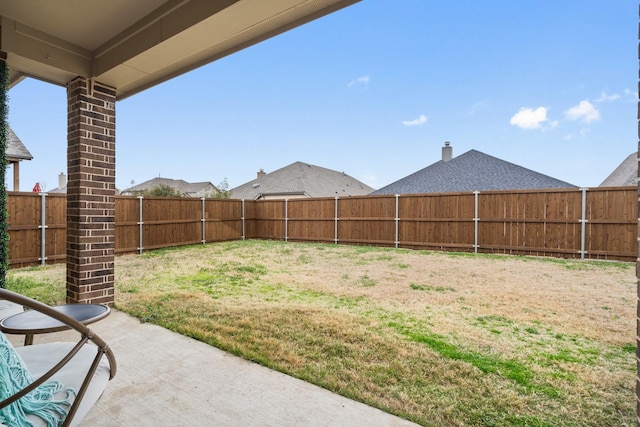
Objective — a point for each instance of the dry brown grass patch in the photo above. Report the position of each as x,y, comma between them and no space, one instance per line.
438,338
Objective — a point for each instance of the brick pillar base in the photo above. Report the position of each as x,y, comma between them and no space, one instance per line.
91,166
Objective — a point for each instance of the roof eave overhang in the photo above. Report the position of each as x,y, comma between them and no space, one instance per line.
14,159
168,41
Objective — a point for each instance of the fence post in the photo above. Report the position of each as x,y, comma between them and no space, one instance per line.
475,222
140,225
43,229
335,231
583,224
397,220
204,240
242,219
286,220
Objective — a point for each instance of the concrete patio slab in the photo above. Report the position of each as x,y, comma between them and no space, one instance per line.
166,379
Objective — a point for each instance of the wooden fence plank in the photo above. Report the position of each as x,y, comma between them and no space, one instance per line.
532,222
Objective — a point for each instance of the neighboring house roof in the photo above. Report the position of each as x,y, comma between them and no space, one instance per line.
625,174
15,148
471,171
300,180
189,189
62,185
63,190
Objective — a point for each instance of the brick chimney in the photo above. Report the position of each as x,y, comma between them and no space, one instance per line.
261,173
447,151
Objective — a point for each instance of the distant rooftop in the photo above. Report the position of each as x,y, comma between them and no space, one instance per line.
15,148
471,171
189,189
626,174
300,180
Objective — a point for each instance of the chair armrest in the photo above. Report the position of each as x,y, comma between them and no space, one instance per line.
86,335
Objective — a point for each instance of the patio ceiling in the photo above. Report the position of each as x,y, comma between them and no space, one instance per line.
133,45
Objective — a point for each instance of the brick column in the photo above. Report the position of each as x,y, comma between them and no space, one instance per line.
91,168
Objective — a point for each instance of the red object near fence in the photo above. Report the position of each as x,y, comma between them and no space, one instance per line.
36,188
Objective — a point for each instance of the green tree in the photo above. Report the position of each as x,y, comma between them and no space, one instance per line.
4,214
222,191
161,190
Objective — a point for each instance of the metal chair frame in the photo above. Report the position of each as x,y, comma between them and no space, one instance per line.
86,336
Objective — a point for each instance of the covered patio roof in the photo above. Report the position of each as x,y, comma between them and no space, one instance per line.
133,45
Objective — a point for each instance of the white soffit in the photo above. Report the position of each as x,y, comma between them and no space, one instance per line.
133,45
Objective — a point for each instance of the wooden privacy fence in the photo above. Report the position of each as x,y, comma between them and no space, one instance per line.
37,234
144,223
599,223
37,224
596,223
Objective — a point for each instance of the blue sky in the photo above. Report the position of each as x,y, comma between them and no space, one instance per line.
374,90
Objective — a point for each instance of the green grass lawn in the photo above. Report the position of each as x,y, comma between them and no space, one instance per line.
440,339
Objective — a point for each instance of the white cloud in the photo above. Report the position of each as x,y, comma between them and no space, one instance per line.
528,118
362,80
416,122
584,111
604,96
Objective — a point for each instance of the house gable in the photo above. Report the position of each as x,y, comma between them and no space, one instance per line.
472,171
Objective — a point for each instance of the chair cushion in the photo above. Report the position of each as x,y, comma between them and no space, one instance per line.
40,358
49,402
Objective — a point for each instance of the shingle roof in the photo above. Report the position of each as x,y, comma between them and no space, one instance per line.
625,174
15,148
471,171
302,180
184,187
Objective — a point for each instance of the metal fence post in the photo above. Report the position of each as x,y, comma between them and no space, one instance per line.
140,225
335,231
397,220
286,220
583,225
243,237
43,229
204,240
475,223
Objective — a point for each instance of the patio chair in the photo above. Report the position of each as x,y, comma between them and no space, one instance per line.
58,381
